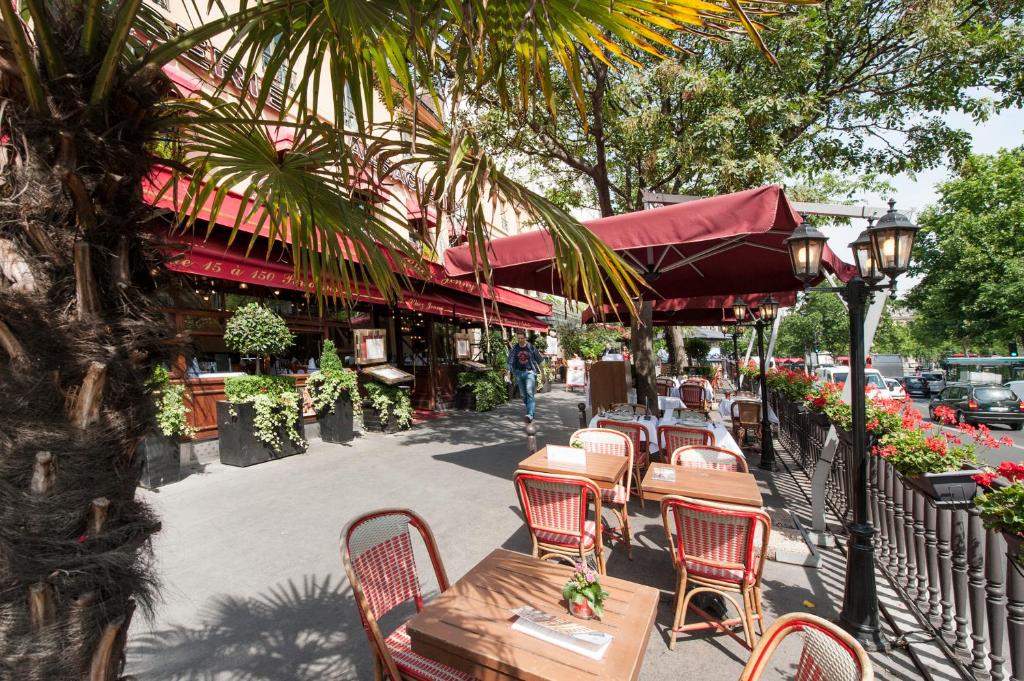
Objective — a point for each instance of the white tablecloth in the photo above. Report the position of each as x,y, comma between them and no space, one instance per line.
650,423
725,409
723,438
667,404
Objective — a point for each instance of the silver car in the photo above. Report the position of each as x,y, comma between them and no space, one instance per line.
936,381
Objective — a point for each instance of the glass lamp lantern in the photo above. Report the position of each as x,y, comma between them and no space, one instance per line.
864,257
725,329
806,245
769,309
892,240
739,310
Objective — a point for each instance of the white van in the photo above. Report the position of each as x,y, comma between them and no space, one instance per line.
874,382
1017,387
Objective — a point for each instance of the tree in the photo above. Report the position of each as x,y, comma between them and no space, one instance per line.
255,329
697,348
818,322
87,114
970,253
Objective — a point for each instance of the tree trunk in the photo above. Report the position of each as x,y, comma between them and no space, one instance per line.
600,177
641,346
675,342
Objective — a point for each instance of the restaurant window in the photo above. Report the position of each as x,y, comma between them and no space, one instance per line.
414,352
444,344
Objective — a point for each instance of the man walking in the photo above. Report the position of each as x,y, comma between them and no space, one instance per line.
523,366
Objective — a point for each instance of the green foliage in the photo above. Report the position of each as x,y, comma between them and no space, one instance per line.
820,320
171,412
489,387
971,254
390,399
1002,508
331,382
697,349
496,351
915,451
276,404
539,342
793,385
585,585
255,329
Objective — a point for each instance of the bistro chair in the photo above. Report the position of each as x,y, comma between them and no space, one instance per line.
829,653
615,443
671,438
637,435
716,548
556,511
665,386
746,416
699,456
693,396
379,557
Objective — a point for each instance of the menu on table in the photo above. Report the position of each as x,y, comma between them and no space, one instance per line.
562,633
664,474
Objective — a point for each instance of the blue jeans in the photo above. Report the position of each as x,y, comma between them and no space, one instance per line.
527,382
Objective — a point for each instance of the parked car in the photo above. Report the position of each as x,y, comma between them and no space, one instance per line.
896,390
936,381
916,386
980,403
1017,387
832,374
874,382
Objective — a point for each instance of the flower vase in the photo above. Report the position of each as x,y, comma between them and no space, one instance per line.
581,610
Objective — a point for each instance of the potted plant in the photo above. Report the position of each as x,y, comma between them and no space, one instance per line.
387,408
160,451
334,391
262,417
1002,504
486,389
583,593
546,378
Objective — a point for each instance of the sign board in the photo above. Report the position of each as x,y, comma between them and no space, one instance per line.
463,346
608,383
388,374
567,456
575,373
371,345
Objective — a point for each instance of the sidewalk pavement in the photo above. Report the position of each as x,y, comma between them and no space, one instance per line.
253,587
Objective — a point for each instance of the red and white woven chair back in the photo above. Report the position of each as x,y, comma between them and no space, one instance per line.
553,504
692,395
697,456
746,412
636,433
607,441
665,387
716,540
828,654
672,438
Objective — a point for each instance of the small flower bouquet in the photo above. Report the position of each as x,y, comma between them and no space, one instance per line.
1002,505
584,594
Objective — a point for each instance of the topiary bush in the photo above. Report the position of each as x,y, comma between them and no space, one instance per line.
255,329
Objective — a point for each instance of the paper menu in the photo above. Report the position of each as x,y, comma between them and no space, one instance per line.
562,632
664,474
568,456
373,349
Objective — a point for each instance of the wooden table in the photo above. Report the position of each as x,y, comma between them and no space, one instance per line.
703,483
604,469
469,626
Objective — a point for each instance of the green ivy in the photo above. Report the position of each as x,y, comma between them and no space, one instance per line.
171,412
1003,509
489,387
255,329
327,385
276,404
388,399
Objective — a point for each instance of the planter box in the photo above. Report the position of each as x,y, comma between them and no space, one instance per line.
546,388
954,489
238,443
465,398
819,418
160,459
372,421
337,426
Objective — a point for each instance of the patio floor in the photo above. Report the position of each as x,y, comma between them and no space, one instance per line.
253,587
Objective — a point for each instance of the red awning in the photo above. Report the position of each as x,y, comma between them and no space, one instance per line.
415,211
218,261
697,311
158,191
728,244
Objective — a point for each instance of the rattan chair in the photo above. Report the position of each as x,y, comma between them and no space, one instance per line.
693,395
696,456
638,435
665,386
671,438
615,443
713,549
746,417
829,653
379,558
556,511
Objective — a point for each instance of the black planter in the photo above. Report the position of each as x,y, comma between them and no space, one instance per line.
953,489
465,398
1013,546
819,418
546,388
336,426
160,460
372,420
238,443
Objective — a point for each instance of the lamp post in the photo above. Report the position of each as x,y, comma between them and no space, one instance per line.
734,331
883,249
767,311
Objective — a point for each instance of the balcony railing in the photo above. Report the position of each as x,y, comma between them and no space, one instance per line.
952,572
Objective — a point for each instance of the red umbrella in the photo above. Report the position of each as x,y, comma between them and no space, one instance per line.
723,245
697,311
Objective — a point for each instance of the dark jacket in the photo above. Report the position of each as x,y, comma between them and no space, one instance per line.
524,359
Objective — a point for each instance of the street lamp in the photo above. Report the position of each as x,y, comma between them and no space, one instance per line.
768,309
882,249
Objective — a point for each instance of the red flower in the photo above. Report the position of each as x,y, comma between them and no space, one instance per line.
1006,441
874,425
82,538
1011,471
984,479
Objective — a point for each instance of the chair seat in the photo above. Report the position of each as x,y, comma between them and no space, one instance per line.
722,574
416,666
616,495
569,540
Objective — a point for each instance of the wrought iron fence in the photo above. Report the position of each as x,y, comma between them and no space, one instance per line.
955,574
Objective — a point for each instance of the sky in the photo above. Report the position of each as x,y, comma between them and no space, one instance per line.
913,193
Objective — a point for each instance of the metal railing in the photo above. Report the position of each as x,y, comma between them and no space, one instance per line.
953,573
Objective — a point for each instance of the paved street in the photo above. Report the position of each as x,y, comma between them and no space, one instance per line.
986,454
